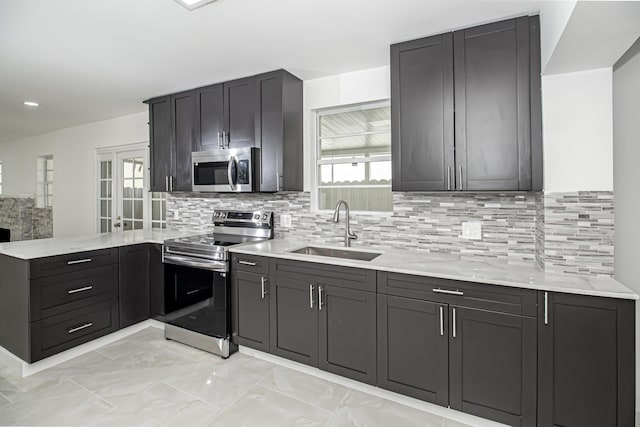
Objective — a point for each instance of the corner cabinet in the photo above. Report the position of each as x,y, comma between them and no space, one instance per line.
485,137
586,362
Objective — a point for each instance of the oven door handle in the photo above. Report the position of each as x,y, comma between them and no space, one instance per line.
232,169
189,262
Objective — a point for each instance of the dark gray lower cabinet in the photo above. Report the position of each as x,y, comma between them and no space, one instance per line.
250,297
586,370
294,320
133,284
413,352
492,365
156,282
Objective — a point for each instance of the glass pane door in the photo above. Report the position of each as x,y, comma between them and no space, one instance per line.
132,195
105,197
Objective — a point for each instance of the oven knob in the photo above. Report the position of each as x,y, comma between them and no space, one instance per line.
216,214
256,217
264,217
223,214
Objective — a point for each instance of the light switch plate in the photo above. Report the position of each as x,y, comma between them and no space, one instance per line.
285,221
472,230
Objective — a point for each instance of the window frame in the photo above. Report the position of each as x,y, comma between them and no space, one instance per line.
42,194
317,162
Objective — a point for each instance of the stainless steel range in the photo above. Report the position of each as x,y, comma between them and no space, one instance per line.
197,289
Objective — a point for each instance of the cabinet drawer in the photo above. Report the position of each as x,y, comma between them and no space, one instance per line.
250,263
61,332
468,294
325,274
69,263
63,292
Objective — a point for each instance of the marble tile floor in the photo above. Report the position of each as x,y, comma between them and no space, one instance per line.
144,380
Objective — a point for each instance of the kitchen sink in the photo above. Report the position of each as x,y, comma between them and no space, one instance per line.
337,253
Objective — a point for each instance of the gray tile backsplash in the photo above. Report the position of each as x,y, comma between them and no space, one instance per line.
25,221
570,232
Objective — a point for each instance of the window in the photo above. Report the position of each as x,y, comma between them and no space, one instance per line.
105,196
354,157
0,177
158,210
44,192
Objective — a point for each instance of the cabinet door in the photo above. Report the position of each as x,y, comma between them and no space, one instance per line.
413,348
347,332
422,114
493,144
586,370
493,365
160,142
239,109
269,130
294,320
156,282
209,116
250,310
134,284
184,114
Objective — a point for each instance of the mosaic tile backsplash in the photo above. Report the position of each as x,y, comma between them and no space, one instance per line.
25,221
569,232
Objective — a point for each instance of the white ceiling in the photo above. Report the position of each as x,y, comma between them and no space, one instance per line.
91,60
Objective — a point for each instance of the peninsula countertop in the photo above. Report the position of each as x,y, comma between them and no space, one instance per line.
40,248
493,271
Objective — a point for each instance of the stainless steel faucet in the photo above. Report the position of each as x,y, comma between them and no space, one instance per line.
348,235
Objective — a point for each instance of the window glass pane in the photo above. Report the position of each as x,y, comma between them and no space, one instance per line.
127,169
128,189
127,208
353,146
137,225
103,170
109,169
380,172
349,172
155,225
49,176
163,211
369,120
49,164
103,226
137,209
361,199
155,210
49,201
127,225
138,169
109,207
104,212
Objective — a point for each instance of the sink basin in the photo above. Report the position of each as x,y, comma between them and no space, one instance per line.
337,253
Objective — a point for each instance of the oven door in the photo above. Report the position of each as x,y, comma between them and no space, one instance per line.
198,299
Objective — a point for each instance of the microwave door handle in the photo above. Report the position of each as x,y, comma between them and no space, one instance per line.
230,166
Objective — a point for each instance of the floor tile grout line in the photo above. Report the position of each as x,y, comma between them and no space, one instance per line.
11,402
295,398
113,405
190,395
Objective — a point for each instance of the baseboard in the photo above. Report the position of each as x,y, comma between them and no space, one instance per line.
26,369
449,413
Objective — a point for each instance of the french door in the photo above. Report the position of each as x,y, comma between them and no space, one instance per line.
123,199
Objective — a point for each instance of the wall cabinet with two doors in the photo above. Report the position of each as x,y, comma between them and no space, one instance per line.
466,111
263,111
517,356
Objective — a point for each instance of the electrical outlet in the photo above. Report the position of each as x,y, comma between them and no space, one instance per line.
176,214
472,230
285,221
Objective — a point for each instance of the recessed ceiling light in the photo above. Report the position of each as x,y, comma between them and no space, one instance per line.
31,104
194,4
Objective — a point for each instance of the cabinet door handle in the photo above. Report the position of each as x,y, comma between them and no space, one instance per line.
75,291
310,296
193,291
264,291
79,328
249,263
448,178
79,261
546,308
320,304
461,186
454,323
447,291
171,183
441,321
219,139
166,183
225,139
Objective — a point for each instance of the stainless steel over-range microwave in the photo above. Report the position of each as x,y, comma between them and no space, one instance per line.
226,170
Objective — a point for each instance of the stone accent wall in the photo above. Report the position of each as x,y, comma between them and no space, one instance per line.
570,232
26,222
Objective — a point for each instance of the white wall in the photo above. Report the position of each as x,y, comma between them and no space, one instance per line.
73,149
373,84
626,152
577,125
554,16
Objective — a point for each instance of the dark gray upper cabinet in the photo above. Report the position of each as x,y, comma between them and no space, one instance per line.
133,284
279,131
210,116
239,113
160,142
586,366
492,124
422,114
251,298
172,137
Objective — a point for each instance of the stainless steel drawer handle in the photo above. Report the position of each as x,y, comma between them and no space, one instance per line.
320,304
243,262
193,292
264,291
454,323
79,261
75,291
448,292
441,321
546,308
79,328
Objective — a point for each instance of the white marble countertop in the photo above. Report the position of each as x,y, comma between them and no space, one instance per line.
31,249
483,270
